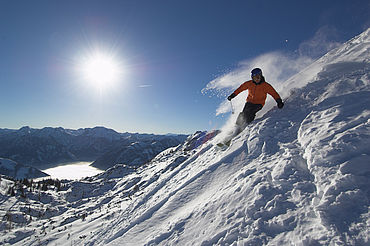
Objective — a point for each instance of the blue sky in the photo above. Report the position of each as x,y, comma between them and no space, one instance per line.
168,50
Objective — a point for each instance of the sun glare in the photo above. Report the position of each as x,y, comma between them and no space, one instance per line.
101,71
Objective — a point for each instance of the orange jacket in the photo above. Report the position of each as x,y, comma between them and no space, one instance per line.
257,93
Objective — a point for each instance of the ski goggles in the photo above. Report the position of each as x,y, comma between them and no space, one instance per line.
257,74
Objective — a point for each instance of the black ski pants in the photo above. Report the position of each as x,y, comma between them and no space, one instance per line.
248,114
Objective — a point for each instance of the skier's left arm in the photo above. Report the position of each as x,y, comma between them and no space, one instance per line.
275,95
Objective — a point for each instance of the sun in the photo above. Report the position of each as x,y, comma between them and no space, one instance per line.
100,70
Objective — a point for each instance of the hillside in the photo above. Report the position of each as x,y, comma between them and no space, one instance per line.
296,176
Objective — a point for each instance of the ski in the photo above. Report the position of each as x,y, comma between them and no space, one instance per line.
227,141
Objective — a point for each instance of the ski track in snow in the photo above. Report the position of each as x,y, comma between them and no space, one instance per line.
296,176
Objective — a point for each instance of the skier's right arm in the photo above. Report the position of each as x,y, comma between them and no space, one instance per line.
241,88
231,96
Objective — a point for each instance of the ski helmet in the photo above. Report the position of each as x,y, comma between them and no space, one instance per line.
256,71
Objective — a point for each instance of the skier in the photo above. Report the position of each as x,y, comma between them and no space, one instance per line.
258,89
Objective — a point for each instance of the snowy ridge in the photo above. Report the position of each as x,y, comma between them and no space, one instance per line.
355,50
18,171
296,176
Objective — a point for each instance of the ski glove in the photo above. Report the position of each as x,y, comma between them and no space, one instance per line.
280,103
231,96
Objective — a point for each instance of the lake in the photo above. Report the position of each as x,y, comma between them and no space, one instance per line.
72,170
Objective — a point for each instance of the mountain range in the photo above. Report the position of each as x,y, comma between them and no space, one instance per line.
48,146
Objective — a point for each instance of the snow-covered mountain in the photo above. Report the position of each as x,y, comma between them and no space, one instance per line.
296,176
48,146
18,171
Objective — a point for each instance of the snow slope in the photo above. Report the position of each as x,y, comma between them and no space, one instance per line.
296,176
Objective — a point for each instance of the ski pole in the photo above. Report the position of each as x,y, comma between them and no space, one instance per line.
232,108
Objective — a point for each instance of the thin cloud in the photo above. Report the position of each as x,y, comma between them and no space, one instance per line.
145,86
